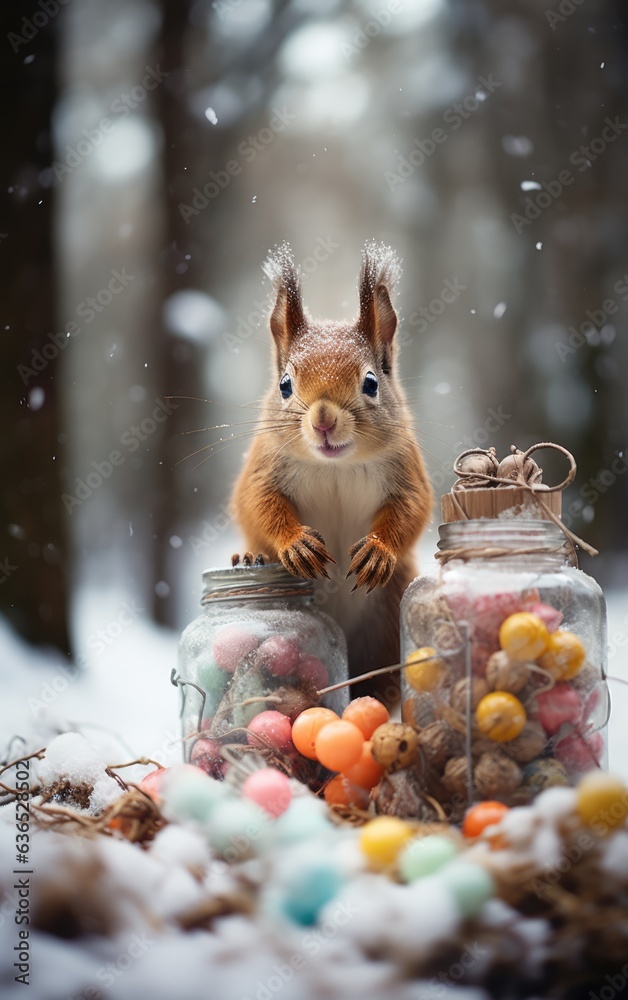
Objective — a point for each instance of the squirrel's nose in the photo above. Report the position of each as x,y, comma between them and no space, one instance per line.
323,426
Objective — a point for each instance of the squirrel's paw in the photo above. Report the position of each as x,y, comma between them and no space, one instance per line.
372,562
306,555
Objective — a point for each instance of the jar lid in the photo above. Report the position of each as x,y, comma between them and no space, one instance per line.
270,580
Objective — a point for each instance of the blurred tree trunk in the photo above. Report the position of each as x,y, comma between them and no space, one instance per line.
33,582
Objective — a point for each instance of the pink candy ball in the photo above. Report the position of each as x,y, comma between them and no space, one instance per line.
579,754
151,783
231,645
270,789
274,728
278,655
313,671
559,705
206,755
549,615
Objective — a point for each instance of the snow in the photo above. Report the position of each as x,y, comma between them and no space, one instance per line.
70,758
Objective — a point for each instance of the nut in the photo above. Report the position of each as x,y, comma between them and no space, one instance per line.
395,745
479,688
530,742
504,674
438,742
456,775
496,774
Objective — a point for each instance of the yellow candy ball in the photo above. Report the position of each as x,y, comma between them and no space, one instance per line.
602,801
381,840
564,655
421,673
524,636
500,716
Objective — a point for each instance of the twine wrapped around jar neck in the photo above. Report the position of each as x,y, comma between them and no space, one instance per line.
524,474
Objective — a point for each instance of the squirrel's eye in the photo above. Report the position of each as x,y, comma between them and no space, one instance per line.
285,386
370,385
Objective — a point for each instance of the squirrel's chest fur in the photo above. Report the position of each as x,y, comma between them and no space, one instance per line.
340,501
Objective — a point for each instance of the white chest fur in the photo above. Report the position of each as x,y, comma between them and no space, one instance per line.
339,501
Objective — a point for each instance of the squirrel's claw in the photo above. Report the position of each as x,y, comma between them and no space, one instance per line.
307,555
372,562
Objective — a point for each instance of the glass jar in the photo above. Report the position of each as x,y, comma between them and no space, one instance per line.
259,646
508,686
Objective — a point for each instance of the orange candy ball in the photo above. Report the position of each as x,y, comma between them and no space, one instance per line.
367,772
339,745
367,714
482,815
341,792
306,728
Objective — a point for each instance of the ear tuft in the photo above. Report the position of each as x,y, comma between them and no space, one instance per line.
287,318
379,276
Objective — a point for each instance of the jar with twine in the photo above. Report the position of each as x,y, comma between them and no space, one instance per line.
504,644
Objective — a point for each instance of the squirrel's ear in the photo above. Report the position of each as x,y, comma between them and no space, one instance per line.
287,318
378,278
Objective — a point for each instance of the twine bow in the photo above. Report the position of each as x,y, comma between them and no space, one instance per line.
519,479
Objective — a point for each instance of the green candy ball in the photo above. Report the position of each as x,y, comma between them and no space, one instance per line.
470,885
419,858
214,682
192,794
238,830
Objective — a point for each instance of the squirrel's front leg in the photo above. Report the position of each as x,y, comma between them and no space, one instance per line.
299,548
374,557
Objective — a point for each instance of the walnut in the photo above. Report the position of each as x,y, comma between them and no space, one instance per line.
400,795
456,775
479,688
504,674
496,774
438,742
395,746
418,710
530,742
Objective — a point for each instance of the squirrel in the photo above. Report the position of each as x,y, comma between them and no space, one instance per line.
334,482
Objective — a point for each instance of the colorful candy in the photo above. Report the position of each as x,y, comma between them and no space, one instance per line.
306,728
482,815
558,706
206,755
312,671
422,673
564,655
524,636
419,858
339,745
342,792
366,772
272,728
382,839
471,885
500,716
580,754
367,714
278,655
270,789
238,829
232,644
602,802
